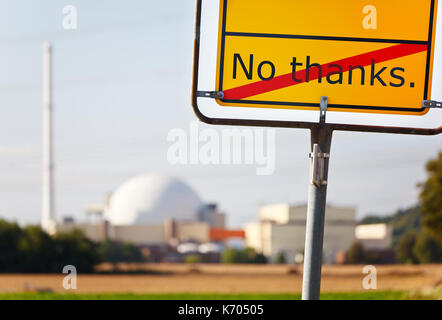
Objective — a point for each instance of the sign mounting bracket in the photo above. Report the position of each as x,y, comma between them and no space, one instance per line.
318,166
432,104
323,109
211,94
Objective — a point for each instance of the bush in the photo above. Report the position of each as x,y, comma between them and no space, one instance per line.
10,254
427,249
111,251
231,255
246,255
73,248
260,259
193,258
356,254
33,250
431,199
38,251
405,248
281,258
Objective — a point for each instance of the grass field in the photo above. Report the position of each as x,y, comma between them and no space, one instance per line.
373,295
216,281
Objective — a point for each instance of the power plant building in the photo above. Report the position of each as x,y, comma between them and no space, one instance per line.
281,230
375,236
152,209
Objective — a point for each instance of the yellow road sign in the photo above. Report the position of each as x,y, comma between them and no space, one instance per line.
367,56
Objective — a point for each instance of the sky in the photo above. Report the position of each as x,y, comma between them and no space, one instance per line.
122,82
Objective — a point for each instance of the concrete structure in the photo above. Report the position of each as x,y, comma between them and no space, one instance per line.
374,236
95,232
210,214
281,229
194,231
48,212
151,199
151,210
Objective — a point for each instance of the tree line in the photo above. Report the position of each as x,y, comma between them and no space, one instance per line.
31,249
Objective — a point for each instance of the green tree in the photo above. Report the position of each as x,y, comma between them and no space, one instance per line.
37,250
112,251
281,258
73,248
431,198
356,253
427,249
404,221
10,255
231,255
405,248
131,253
246,255
33,250
249,255
260,259
193,258
108,251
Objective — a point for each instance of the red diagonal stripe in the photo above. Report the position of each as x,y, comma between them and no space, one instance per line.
286,80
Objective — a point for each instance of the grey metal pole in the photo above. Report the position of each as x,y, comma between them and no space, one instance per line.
321,137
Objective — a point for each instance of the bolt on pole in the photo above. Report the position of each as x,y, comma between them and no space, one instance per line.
321,136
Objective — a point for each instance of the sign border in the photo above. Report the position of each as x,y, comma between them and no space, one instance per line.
281,123
223,33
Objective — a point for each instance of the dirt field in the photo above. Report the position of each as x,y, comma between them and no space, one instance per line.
181,278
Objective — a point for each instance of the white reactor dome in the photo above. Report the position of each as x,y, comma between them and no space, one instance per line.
150,199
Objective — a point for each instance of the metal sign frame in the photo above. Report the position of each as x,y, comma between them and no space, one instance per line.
283,124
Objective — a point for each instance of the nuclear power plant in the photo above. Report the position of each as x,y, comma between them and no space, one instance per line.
153,209
157,212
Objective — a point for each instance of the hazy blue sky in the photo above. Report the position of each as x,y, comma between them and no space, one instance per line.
122,81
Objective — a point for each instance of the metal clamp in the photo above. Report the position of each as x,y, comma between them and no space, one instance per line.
318,166
431,104
211,94
323,109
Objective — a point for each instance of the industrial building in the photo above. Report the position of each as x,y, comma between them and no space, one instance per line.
153,210
281,230
377,241
375,237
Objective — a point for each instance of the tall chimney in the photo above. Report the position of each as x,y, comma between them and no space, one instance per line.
48,215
